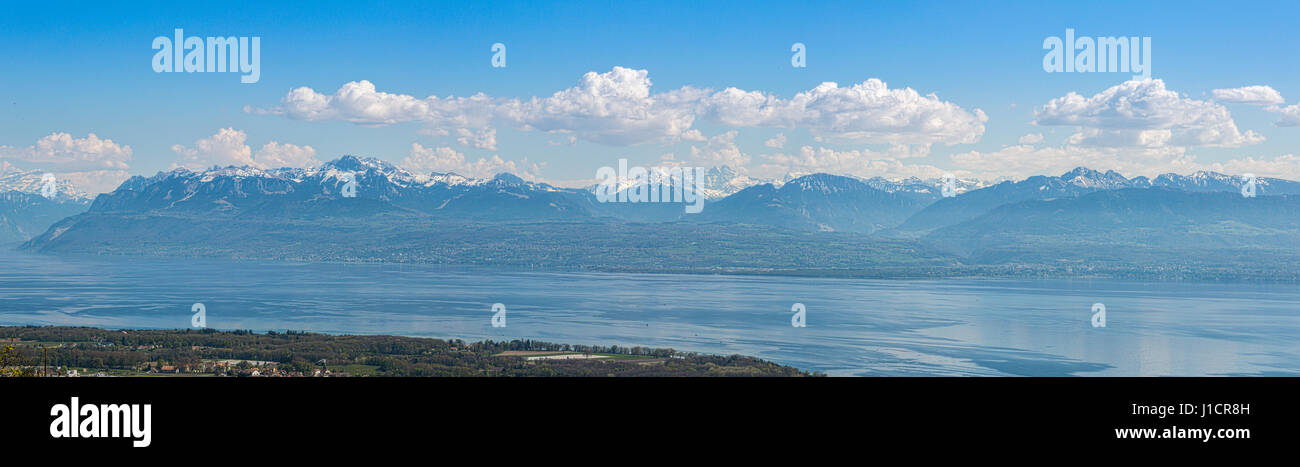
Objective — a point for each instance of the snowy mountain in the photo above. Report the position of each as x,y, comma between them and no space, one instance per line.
319,191
1204,181
32,181
718,183
1077,182
817,202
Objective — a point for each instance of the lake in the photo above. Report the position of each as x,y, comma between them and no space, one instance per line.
855,327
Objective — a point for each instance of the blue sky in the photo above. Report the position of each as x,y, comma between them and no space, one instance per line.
976,69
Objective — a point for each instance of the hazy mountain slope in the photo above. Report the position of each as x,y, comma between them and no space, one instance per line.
971,204
816,202
26,215
24,210
310,193
1154,226
1203,181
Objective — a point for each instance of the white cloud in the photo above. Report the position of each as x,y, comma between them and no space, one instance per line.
1265,96
1024,161
718,151
693,135
1032,138
274,154
1286,166
95,181
1135,128
568,141
1021,161
359,102
1121,138
615,107
868,112
224,148
1254,95
1289,116
91,164
424,160
777,142
858,162
619,108
1144,114
227,147
485,139
61,151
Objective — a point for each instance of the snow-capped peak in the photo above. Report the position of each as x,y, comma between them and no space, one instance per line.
33,182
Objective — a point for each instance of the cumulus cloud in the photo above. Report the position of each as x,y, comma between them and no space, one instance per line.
1135,128
1288,116
720,150
91,164
777,142
1286,166
693,135
1144,114
567,141
1023,161
61,151
228,147
485,139
275,154
1032,138
614,108
224,148
442,159
359,102
620,108
1264,96
868,112
1254,95
94,181
857,162
1121,138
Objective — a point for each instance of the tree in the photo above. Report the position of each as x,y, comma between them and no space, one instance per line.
12,363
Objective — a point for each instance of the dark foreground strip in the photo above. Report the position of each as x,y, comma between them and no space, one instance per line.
480,416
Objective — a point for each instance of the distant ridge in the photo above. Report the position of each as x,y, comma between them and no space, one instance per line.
1081,222
1079,181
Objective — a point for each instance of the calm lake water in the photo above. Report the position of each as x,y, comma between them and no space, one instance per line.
854,327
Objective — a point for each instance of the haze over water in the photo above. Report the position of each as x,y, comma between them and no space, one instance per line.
854,327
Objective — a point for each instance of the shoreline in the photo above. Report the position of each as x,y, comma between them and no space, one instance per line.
163,352
960,272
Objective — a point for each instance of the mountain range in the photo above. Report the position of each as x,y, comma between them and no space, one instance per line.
811,202
31,181
1074,183
1044,222
25,212
1127,224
